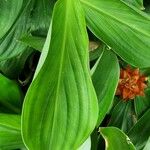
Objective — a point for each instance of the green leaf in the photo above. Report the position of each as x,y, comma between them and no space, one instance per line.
106,73
116,139
10,134
142,103
140,132
44,52
124,29
147,7
62,112
137,3
9,44
95,54
9,13
12,67
10,94
123,116
41,14
34,42
31,20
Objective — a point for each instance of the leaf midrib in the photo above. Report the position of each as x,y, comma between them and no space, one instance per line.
113,17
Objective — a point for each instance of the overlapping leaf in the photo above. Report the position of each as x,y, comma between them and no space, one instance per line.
124,29
9,11
106,73
142,103
40,17
140,133
9,44
123,116
26,23
10,94
116,139
34,42
137,3
10,134
60,109
12,67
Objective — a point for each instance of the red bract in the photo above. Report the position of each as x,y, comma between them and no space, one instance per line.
131,83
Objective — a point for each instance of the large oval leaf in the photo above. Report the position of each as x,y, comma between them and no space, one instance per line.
116,139
61,109
124,29
105,80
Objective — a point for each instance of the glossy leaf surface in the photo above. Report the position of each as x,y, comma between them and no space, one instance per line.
61,109
117,24
105,73
116,139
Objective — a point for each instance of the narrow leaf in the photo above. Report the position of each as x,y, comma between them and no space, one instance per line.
62,112
106,73
140,132
123,116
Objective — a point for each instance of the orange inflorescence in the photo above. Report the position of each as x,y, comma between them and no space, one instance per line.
131,83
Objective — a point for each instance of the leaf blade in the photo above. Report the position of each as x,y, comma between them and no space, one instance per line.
68,98
139,134
119,29
106,74
116,139
10,134
9,12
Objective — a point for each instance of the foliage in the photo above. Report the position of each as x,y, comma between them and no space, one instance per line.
60,64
